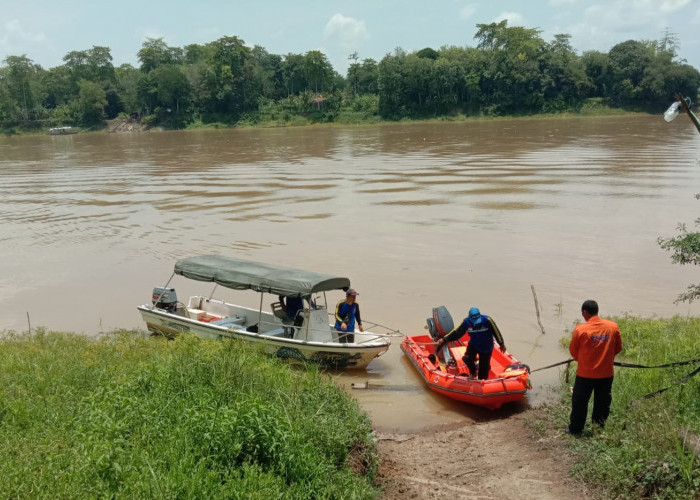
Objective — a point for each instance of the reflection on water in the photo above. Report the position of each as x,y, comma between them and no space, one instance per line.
416,215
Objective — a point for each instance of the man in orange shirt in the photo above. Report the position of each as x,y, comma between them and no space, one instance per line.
594,345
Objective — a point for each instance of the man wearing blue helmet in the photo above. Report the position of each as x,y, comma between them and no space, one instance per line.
482,332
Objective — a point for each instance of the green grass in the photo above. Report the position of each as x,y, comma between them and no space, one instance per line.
639,454
125,416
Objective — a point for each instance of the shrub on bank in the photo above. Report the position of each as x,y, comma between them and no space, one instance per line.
137,417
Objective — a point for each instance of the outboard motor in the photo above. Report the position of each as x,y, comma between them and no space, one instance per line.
441,323
164,298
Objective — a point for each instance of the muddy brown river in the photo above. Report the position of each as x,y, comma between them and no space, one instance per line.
417,215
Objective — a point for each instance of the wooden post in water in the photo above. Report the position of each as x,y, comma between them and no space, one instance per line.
537,308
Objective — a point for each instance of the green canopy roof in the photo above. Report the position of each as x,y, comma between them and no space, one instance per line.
240,274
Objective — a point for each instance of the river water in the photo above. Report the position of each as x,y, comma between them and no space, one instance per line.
417,215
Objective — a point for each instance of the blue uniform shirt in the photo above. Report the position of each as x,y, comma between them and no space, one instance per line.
347,313
481,334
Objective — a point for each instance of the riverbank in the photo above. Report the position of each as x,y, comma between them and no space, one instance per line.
503,457
128,415
126,125
648,449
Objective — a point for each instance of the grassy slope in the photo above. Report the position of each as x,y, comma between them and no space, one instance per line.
135,417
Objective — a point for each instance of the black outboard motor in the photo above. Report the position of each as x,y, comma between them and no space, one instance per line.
164,298
441,323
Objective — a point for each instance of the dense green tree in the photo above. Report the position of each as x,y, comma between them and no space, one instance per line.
392,93
628,61
59,87
512,70
511,79
293,74
597,68
9,107
94,64
428,53
21,79
362,77
172,89
263,77
226,79
89,107
318,71
155,52
563,75
127,78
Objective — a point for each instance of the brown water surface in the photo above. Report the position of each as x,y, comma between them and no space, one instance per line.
419,215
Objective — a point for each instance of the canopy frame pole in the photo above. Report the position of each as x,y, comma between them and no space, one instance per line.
260,312
162,292
213,290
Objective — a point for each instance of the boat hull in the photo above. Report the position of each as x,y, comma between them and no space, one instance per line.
507,382
334,355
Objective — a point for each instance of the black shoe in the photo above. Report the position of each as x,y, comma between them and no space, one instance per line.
568,431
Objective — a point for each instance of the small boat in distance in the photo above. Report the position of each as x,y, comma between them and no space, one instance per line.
446,373
306,336
63,130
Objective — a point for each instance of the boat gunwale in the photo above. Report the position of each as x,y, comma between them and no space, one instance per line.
378,342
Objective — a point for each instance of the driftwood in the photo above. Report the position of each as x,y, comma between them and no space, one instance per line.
537,308
690,440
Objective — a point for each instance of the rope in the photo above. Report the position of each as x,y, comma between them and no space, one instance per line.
667,365
552,366
627,365
656,393
631,365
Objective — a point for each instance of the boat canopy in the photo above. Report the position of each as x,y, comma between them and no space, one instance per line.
240,274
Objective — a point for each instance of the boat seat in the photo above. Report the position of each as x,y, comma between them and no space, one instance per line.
230,322
279,311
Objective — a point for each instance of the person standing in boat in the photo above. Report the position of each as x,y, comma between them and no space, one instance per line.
594,345
347,312
482,331
291,305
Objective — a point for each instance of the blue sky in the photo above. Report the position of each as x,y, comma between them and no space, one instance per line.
45,31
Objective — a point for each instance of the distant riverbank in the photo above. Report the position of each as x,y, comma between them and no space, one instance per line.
125,124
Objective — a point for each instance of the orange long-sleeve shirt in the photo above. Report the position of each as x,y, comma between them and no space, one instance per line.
594,345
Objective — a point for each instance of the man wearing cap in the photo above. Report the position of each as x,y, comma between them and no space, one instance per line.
346,313
482,332
593,346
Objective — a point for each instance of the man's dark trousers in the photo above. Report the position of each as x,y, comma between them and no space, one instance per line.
601,388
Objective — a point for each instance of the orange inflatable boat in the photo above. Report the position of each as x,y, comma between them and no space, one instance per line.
446,373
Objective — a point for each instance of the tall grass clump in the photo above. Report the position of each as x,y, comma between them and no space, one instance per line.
639,453
133,417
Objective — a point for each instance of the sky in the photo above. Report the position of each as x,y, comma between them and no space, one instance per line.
45,31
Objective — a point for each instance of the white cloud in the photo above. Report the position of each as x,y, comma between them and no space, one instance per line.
601,26
514,19
349,32
467,11
672,5
13,30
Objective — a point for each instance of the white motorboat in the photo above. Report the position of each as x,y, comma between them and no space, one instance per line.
63,130
306,335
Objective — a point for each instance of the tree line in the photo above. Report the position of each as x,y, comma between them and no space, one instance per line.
512,70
